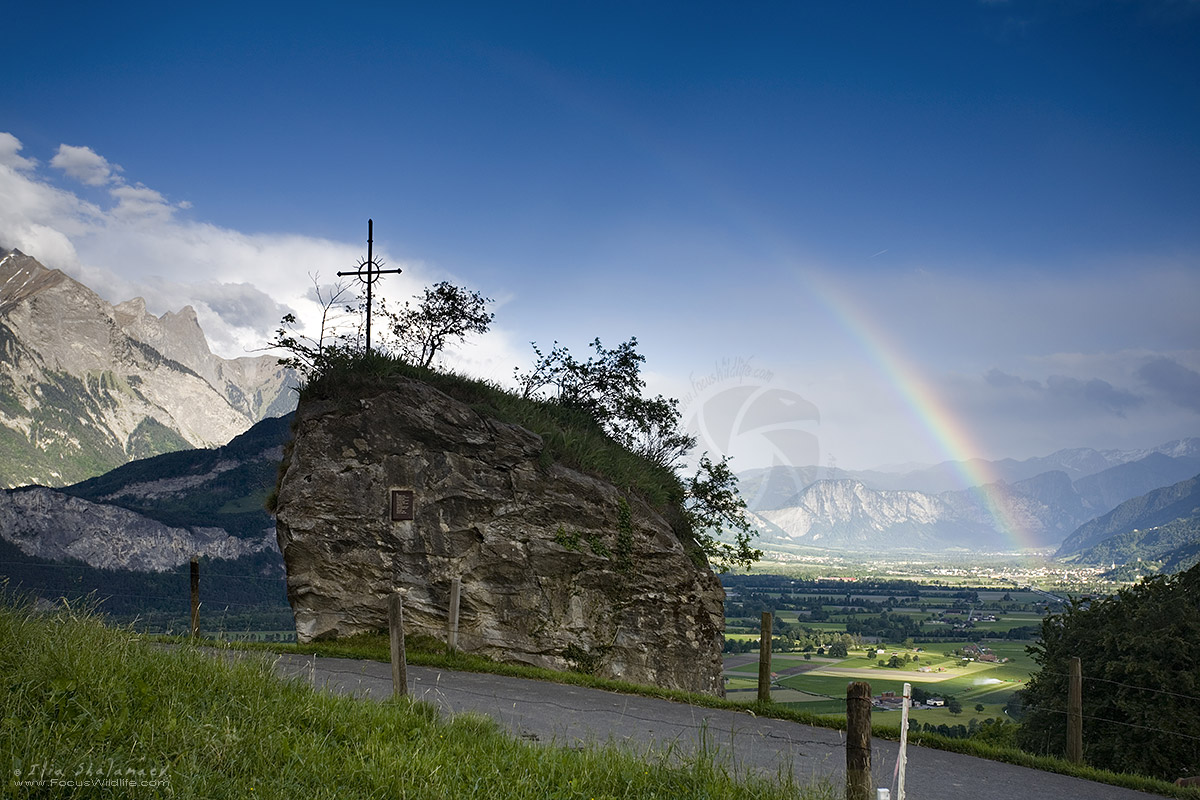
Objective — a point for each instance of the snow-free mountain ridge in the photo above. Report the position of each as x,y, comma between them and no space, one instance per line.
86,386
862,512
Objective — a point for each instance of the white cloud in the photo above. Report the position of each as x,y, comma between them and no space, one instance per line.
40,219
84,165
239,284
10,146
140,202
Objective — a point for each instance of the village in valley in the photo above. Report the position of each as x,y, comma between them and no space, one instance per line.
962,646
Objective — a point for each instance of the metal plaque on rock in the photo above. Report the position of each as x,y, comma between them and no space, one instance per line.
402,505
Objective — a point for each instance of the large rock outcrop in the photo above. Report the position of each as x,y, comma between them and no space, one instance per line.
554,572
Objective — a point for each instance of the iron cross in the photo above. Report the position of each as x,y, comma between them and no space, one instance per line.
368,272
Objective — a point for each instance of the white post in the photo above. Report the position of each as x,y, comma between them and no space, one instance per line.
452,619
903,740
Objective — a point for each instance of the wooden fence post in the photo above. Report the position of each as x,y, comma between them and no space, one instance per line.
1075,713
195,597
452,620
764,659
902,763
858,741
396,631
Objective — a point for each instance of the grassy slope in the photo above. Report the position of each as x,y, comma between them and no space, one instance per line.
104,701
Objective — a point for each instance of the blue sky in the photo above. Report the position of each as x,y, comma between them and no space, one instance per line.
995,201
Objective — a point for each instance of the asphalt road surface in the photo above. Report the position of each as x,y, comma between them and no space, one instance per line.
567,716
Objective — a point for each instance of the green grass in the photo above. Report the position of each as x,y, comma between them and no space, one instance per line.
84,701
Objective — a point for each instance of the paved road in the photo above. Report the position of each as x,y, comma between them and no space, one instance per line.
570,715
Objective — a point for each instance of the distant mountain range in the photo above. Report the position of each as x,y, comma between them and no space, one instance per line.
154,514
139,525
86,386
1162,526
1046,500
773,487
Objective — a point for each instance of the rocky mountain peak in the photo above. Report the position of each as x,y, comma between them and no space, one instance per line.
22,277
85,386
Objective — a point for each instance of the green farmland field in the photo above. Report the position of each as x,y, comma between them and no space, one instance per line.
972,682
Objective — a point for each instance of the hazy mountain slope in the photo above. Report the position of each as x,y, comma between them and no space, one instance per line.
126,537
774,487
224,487
1173,545
848,515
1041,510
1156,508
51,525
86,386
1106,490
154,514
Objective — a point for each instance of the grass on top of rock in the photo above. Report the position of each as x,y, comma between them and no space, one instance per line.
103,703
572,437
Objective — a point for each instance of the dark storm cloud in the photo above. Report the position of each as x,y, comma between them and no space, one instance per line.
1002,380
239,304
341,294
1170,378
1064,391
1094,392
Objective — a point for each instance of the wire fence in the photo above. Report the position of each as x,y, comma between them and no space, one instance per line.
1124,685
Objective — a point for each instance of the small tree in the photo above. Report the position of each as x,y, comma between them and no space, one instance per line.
953,705
444,313
713,506
608,388
307,353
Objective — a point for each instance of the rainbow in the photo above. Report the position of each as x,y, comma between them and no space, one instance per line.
947,432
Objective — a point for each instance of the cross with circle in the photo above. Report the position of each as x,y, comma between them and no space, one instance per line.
368,272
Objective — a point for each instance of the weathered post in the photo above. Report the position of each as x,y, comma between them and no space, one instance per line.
858,741
1075,713
764,659
902,764
452,620
396,631
195,597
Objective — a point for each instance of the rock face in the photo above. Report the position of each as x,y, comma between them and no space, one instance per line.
553,573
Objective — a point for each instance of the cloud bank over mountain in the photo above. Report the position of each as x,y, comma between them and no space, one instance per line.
78,212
